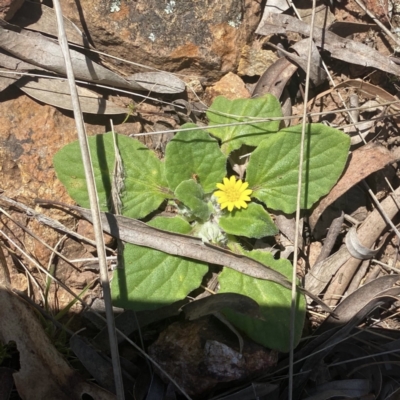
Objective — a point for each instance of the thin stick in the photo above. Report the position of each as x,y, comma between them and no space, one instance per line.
298,201
94,203
381,210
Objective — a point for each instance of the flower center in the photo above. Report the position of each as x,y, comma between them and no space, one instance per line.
232,195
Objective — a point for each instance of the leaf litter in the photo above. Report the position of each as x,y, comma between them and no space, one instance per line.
355,343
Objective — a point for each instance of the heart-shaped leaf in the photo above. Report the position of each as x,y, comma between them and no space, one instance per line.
224,111
272,172
194,154
274,301
191,194
145,182
252,222
151,278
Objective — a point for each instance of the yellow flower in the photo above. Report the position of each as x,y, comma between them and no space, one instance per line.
233,193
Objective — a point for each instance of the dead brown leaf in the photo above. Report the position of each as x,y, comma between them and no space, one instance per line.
343,49
45,53
40,18
362,162
43,373
371,91
56,93
275,78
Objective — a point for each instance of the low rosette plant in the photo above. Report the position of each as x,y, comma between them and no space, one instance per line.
211,203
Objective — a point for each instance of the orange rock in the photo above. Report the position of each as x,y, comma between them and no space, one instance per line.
193,37
231,86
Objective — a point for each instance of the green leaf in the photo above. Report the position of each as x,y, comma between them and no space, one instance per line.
272,172
146,186
194,153
151,278
224,111
274,301
69,169
145,182
171,224
252,222
191,194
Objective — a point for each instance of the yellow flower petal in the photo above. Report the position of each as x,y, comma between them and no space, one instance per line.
242,204
233,193
247,192
226,182
238,185
245,185
224,205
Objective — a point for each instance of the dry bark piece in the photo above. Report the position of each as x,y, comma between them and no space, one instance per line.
43,373
340,48
363,162
321,274
368,233
356,249
330,240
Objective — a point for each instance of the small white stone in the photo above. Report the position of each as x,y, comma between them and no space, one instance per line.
115,6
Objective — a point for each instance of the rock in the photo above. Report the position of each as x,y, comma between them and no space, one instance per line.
9,7
202,353
193,37
231,86
254,60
